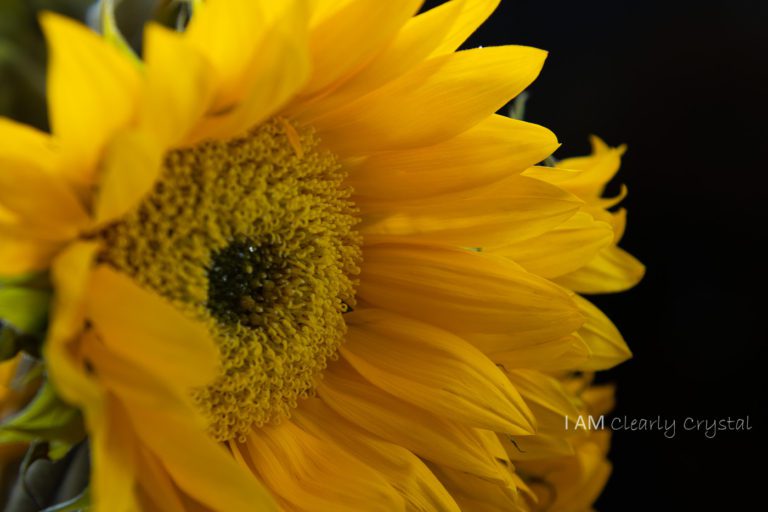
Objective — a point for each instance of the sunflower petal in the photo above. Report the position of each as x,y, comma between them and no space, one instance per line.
229,35
315,474
342,42
436,101
425,434
564,249
29,187
178,85
207,473
495,148
435,370
151,332
467,293
132,163
564,353
284,60
71,273
92,92
113,451
546,397
435,32
611,270
509,210
404,470
157,485
606,344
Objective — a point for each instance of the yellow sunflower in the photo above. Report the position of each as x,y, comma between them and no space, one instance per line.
299,263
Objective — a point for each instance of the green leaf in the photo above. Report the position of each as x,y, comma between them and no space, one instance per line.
47,417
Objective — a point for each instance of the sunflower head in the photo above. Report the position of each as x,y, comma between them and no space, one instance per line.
292,259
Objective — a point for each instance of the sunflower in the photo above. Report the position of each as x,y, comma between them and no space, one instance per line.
298,262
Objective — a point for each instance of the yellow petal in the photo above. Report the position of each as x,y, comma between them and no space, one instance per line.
131,382
437,31
317,474
466,292
71,274
197,464
22,254
473,14
495,148
611,270
343,42
425,434
513,209
284,60
156,483
178,85
606,344
566,248
435,370
564,353
596,169
437,100
113,453
30,187
537,447
92,92
546,397
145,329
132,163
404,470
229,35
476,494
20,143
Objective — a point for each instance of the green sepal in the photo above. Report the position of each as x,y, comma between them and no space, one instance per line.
47,417
23,319
111,32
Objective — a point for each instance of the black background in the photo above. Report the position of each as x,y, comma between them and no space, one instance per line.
684,84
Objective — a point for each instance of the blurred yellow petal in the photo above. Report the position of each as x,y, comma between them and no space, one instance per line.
92,93
229,34
71,272
113,455
151,332
207,473
132,163
178,85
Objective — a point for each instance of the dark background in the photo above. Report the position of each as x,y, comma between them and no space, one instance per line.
684,84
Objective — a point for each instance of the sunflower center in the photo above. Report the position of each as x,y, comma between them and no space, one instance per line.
255,238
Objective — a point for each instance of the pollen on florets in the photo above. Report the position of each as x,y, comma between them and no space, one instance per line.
256,240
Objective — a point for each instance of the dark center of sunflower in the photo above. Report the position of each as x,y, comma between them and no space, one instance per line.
254,237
